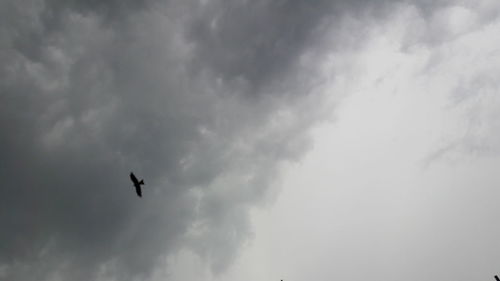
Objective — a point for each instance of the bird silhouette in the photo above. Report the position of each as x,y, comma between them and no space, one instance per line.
137,184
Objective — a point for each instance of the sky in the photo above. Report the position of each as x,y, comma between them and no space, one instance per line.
294,140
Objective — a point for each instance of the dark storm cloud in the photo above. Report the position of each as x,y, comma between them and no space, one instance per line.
91,91
255,41
192,96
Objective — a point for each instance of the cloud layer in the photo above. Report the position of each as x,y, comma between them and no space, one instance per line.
197,98
204,99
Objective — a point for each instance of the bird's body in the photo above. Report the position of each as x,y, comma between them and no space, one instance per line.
137,184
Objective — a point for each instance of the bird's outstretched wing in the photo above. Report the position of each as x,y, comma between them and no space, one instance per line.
138,190
134,179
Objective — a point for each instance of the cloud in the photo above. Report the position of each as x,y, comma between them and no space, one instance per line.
93,90
203,99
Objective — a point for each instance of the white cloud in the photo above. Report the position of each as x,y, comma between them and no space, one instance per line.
366,203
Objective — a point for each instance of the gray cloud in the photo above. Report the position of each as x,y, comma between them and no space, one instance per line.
203,100
94,90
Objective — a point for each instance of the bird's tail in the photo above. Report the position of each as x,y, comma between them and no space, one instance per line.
141,182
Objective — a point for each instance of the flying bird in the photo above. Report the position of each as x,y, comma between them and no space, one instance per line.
137,184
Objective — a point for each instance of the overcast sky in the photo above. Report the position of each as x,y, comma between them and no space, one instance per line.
296,140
